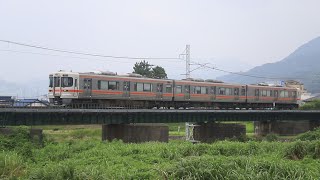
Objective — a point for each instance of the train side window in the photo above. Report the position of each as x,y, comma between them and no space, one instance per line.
138,87
236,91
222,91
286,94
257,91
264,93
243,92
204,90
168,88
102,85
178,89
276,93
147,87
268,93
229,91
197,90
113,85
271,93
281,94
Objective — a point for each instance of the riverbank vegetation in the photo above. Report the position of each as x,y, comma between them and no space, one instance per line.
79,156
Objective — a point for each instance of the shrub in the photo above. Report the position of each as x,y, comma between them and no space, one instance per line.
314,105
309,136
271,137
296,150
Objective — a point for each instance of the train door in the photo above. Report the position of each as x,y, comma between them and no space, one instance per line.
256,94
187,92
276,95
87,87
236,93
75,88
126,89
213,91
56,86
159,91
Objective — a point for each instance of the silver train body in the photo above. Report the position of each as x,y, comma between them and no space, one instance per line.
70,88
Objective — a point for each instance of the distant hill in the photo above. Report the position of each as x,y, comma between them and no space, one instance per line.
302,65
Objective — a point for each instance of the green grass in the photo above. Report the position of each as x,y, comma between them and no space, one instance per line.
79,154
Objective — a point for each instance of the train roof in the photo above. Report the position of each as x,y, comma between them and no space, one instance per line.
126,76
64,72
190,81
274,87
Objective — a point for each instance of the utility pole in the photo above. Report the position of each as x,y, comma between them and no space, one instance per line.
187,61
187,76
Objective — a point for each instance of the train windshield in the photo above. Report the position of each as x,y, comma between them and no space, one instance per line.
66,81
56,81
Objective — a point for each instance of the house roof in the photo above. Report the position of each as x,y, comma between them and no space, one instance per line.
317,97
27,102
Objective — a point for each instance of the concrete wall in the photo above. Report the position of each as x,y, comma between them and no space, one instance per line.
209,132
136,133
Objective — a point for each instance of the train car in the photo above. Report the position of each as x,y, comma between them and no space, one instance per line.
272,97
197,92
63,87
108,89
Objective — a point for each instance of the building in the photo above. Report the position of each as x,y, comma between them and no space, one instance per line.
29,103
6,101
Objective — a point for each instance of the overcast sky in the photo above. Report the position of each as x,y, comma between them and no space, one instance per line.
232,35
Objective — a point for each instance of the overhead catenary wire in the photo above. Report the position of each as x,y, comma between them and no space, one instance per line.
82,53
241,74
63,56
201,65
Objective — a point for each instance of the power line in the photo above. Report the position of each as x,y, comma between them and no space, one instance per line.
240,74
82,53
74,57
128,57
54,55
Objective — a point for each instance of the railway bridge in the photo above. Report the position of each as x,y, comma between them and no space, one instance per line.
115,121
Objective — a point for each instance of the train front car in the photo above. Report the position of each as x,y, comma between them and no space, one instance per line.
63,87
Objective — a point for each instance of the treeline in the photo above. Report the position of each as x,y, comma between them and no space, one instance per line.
314,105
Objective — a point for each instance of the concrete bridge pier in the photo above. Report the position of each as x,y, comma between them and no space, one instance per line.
209,132
284,128
136,133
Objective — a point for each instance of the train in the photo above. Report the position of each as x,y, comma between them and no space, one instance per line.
107,89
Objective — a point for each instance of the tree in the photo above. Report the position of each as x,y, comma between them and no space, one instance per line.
143,68
159,73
